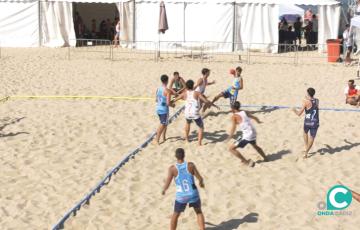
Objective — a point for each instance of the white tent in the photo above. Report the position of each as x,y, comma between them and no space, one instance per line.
291,10
242,22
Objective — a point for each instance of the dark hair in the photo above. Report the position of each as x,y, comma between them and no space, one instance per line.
236,105
352,81
180,153
189,84
164,78
176,73
347,25
239,69
311,92
314,16
205,71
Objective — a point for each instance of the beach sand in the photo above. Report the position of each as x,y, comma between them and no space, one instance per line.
52,152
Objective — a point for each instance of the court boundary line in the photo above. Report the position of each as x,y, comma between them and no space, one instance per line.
139,98
107,178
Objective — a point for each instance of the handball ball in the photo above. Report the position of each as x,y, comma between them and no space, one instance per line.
232,72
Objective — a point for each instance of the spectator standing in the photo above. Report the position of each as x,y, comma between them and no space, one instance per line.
348,42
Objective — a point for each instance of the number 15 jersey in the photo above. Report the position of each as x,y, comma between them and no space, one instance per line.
186,191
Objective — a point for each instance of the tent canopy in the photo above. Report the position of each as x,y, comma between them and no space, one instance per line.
291,10
355,22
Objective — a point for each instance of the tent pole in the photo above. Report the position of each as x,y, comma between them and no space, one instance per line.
39,22
184,21
134,21
234,27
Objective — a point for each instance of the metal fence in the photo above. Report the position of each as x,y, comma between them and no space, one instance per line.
94,48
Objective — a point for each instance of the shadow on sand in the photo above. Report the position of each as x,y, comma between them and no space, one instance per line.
234,223
3,126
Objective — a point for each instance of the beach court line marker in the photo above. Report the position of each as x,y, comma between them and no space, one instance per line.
151,98
107,178
290,107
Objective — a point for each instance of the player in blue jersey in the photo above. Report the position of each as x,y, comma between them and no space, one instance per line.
232,91
163,101
186,191
311,122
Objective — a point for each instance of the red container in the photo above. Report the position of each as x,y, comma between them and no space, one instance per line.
333,49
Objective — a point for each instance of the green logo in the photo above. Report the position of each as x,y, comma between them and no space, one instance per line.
338,198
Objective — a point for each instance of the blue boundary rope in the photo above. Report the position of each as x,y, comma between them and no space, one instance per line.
86,200
289,107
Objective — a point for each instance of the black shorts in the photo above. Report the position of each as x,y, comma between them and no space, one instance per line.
180,207
241,143
199,122
164,118
313,130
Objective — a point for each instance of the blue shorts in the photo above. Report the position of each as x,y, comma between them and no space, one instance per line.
313,130
241,143
164,118
233,97
180,207
199,122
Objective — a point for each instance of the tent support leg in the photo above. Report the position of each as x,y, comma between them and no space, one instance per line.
39,22
234,27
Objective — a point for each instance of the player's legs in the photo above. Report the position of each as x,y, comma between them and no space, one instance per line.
164,133
200,218
259,150
159,132
236,153
187,129
174,220
199,215
351,101
217,97
199,122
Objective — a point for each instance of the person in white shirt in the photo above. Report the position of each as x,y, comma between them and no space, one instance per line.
352,93
241,119
348,41
117,34
192,109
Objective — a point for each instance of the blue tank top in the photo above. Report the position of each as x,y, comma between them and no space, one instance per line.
312,114
186,191
161,107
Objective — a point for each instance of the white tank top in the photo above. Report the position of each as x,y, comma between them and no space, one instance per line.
247,129
201,88
192,106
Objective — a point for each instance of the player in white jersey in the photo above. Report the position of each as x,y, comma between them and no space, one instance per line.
202,83
242,120
192,109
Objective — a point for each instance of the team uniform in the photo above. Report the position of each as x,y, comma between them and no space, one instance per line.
177,85
311,122
162,109
186,190
248,132
232,91
192,108
201,88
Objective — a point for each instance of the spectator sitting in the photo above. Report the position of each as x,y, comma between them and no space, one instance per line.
352,93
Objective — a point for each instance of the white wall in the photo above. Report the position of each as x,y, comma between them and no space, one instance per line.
19,24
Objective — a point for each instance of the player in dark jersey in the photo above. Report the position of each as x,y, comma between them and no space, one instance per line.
311,122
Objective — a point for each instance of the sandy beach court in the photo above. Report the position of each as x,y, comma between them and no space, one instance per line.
52,152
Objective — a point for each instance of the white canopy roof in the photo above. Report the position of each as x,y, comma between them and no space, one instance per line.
277,2
355,21
291,9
